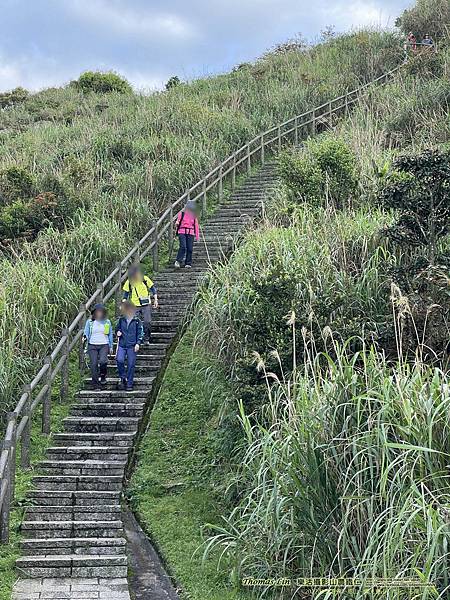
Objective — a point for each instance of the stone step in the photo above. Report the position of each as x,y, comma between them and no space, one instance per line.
110,453
69,529
73,565
112,483
101,424
102,512
74,499
140,383
124,439
82,467
106,393
143,369
87,401
84,546
108,409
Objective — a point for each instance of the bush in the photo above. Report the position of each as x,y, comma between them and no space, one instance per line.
15,184
325,169
173,82
14,221
426,17
15,96
102,83
425,64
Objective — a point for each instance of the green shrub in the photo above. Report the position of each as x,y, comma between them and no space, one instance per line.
324,170
173,82
426,64
426,17
15,184
101,83
15,96
14,221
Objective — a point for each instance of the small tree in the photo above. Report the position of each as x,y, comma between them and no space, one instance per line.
15,96
426,17
173,82
102,83
419,189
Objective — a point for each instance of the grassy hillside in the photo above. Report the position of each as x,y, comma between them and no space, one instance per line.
332,331
83,173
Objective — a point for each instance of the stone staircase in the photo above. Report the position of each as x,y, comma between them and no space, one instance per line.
74,528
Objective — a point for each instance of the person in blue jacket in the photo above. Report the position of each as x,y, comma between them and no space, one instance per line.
130,334
98,335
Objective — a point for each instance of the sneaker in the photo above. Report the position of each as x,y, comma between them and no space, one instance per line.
129,388
188,266
177,265
103,381
146,343
121,385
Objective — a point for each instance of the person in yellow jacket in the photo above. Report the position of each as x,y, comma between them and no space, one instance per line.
139,289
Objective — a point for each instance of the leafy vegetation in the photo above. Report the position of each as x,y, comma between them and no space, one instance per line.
102,83
83,173
177,486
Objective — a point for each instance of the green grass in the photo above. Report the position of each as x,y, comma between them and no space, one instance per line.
177,486
121,158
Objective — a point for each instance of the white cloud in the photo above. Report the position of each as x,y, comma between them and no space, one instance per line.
127,21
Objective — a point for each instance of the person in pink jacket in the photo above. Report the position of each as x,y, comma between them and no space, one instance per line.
187,229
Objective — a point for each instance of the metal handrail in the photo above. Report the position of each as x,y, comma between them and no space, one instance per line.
18,428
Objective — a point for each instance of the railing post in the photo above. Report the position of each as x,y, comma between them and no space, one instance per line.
296,131
47,399
5,509
100,291
263,150
233,173
65,367
81,363
118,293
249,161
9,479
204,198
170,230
279,138
346,104
313,121
25,439
220,187
330,112
155,248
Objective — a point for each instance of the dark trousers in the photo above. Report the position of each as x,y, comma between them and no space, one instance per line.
145,314
130,355
186,247
98,357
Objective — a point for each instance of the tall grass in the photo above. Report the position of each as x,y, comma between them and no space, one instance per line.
345,474
124,157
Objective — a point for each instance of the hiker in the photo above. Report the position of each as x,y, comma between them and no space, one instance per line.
187,229
428,42
411,41
138,289
98,336
130,335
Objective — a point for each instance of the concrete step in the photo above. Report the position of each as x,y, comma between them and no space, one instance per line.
110,453
74,499
72,483
106,393
102,512
61,529
73,566
101,424
140,383
143,369
82,467
108,409
123,439
84,546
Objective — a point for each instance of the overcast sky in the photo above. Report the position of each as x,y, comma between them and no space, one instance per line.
50,42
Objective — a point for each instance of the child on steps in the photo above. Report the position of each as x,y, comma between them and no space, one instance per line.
187,229
130,334
99,338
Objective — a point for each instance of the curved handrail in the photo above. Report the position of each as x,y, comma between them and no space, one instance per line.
18,429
